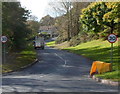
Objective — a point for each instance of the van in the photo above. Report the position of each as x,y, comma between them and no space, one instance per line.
39,42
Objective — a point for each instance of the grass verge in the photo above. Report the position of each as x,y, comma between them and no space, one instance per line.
21,59
51,44
98,50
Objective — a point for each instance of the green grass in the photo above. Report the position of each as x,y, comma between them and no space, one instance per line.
96,50
110,75
99,50
51,44
22,59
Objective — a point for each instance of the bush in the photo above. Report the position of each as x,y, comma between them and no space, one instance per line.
60,39
75,41
83,37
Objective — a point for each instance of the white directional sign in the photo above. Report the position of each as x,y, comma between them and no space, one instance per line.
3,39
112,38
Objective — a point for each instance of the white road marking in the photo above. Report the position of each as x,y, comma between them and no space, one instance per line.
61,59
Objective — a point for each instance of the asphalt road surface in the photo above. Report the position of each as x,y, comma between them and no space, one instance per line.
56,71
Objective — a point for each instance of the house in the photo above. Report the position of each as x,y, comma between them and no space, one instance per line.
49,30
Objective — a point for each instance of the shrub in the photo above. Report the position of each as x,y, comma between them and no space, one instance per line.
60,39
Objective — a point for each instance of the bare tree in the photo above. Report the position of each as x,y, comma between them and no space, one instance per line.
64,8
70,13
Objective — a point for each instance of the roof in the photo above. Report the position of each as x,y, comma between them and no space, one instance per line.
47,27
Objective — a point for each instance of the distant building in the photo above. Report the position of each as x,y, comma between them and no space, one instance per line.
49,30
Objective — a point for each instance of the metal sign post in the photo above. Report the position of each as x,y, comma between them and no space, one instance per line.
4,53
112,38
4,40
111,52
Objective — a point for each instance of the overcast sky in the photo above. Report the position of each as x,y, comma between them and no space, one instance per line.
39,8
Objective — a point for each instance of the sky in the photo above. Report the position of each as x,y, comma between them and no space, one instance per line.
39,8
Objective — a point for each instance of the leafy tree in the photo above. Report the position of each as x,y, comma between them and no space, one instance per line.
14,26
101,14
34,27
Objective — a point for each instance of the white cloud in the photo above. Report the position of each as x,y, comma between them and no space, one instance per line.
37,7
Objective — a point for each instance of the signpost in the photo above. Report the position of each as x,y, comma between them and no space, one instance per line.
112,38
4,40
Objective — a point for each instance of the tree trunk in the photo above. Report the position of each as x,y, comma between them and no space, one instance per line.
111,30
68,31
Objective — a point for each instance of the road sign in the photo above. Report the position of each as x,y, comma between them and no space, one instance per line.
112,38
4,39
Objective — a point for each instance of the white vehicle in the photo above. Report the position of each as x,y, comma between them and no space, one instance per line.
39,42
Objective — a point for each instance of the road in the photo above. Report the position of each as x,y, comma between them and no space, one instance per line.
55,71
